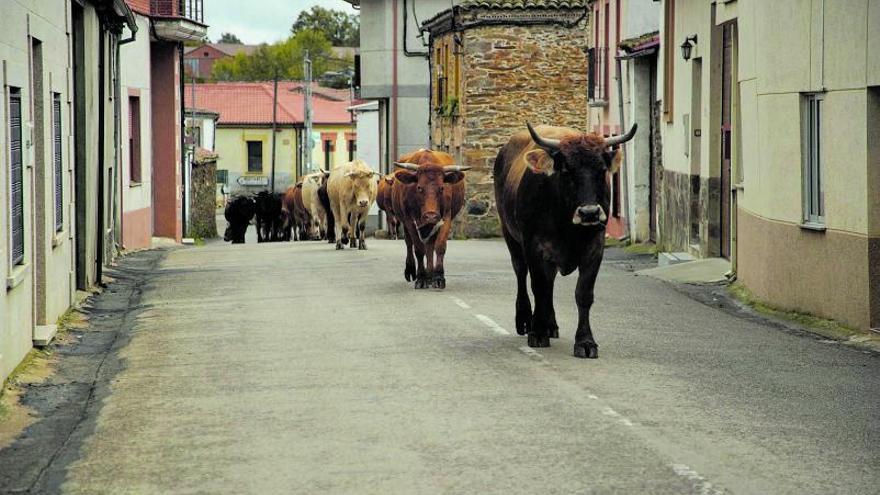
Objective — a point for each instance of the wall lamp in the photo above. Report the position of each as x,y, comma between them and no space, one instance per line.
687,46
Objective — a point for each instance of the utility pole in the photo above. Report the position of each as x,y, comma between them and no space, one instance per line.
307,96
274,128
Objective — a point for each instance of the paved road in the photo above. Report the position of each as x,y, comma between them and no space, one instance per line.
293,368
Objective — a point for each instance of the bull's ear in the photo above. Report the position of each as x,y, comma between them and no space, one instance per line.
453,177
613,159
406,177
540,162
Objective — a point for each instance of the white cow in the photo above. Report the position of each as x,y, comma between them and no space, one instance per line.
352,190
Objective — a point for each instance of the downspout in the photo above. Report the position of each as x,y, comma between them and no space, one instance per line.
183,164
99,254
406,51
393,115
624,186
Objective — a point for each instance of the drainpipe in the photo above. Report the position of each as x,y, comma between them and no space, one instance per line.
99,254
183,164
393,109
624,186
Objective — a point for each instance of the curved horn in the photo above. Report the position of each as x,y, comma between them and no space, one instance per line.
455,168
616,140
548,144
407,166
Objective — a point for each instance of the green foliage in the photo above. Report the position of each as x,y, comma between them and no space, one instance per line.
229,38
284,59
340,28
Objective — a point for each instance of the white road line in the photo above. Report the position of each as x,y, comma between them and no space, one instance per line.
626,422
528,351
460,303
698,481
591,396
489,322
607,411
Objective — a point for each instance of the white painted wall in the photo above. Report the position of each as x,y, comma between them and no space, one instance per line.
135,77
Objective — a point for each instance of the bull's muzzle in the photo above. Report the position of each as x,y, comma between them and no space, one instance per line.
363,203
430,217
589,215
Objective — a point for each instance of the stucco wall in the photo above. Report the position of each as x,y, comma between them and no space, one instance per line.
45,275
137,197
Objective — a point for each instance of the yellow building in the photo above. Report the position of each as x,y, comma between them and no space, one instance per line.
243,136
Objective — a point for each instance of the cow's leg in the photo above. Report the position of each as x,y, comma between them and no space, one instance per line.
439,245
584,344
409,271
521,269
337,211
353,221
543,274
362,229
421,274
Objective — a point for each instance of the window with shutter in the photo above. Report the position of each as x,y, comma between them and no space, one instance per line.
16,177
59,171
134,139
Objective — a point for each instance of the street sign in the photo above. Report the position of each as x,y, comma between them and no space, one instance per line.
253,180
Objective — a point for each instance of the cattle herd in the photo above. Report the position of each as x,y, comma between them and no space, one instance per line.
552,191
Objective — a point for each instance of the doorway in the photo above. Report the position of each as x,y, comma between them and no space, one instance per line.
728,62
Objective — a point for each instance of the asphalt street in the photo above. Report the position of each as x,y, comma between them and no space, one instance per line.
294,368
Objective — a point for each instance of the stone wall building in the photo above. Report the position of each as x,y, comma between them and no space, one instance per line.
496,64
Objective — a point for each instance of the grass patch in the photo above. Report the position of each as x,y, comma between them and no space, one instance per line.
829,328
641,248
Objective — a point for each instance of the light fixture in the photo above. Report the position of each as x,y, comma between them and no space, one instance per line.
686,47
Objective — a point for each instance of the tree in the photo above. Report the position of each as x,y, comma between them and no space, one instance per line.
229,38
285,58
340,28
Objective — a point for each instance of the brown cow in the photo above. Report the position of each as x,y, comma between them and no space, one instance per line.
426,196
297,217
383,201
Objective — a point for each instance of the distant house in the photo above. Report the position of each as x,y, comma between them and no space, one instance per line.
623,47
496,64
243,137
199,60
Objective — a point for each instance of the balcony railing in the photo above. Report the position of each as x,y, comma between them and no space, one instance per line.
190,9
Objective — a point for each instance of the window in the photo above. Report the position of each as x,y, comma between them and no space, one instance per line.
352,148
814,194
222,176
328,153
59,169
16,176
255,156
134,139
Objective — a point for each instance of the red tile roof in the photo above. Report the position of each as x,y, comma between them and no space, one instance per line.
250,103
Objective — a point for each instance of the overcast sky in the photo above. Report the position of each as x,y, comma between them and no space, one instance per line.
259,21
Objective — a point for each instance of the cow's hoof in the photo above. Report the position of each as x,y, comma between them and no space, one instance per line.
439,282
523,325
354,243
409,272
553,331
345,240
538,340
362,246
421,283
586,351
339,246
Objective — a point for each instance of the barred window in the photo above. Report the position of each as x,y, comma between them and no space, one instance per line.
16,178
58,158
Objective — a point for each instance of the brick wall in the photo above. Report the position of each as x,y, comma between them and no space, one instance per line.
510,74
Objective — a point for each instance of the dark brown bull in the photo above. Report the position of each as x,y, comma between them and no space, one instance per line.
552,192
383,201
426,196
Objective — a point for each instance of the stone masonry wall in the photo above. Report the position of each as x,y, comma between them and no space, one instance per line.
510,75
203,224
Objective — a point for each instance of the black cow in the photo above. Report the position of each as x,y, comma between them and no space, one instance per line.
325,202
239,212
270,217
552,192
